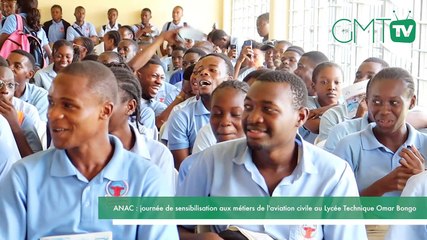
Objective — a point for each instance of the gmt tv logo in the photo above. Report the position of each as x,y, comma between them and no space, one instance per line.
402,31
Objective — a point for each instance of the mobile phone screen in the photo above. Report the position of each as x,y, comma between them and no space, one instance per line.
248,43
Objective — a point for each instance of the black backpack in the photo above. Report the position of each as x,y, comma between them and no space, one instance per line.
36,48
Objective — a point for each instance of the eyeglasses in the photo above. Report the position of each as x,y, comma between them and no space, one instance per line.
9,85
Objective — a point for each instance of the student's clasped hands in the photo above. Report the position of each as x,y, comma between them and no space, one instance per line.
412,163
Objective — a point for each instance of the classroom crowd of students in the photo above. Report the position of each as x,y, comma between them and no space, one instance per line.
117,113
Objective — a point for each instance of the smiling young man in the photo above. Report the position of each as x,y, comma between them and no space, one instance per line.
56,192
151,77
212,70
273,160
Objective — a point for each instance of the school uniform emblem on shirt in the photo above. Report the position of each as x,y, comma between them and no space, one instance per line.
308,231
117,188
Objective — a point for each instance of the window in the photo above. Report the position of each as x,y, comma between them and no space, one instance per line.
311,23
244,15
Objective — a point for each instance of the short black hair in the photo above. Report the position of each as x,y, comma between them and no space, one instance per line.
298,88
60,43
100,78
56,6
229,65
283,42
218,34
322,66
257,45
316,57
264,16
255,74
146,10
297,49
27,5
179,48
155,60
130,29
113,55
395,73
383,63
133,43
27,55
196,50
113,9
187,72
235,84
3,62
182,9
90,57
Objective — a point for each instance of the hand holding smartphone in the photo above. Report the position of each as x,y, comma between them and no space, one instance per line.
248,43
233,51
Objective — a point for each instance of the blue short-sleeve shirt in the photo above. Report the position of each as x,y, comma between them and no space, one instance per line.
185,124
45,194
227,169
37,97
344,129
87,29
370,159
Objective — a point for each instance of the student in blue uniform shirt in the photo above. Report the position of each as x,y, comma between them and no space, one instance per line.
56,27
415,187
10,153
151,77
378,154
145,146
81,28
22,64
212,70
366,71
327,81
225,121
343,129
112,24
63,54
56,192
306,64
273,160
24,128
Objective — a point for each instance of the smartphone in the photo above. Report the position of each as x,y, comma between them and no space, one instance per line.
247,43
233,46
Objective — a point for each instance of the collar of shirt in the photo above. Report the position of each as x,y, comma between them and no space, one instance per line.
365,122
63,167
108,27
26,96
57,23
140,146
305,163
77,26
200,108
370,142
49,71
